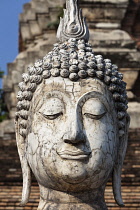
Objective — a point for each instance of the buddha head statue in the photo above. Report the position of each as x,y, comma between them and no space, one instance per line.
72,122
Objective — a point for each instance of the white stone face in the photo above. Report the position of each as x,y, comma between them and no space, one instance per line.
72,134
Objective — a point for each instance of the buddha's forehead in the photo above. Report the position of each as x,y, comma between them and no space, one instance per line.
73,91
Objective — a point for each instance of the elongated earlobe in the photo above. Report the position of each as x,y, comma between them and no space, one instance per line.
26,183
118,165
117,185
26,171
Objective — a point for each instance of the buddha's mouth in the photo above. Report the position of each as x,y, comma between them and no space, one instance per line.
74,155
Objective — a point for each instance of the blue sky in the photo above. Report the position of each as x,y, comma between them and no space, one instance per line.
9,20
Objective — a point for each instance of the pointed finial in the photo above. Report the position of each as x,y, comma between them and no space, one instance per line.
72,25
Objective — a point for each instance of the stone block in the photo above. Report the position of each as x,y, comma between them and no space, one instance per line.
25,31
115,35
108,25
7,83
13,99
27,7
7,126
16,77
115,38
50,38
130,95
21,17
119,35
130,77
12,113
134,112
43,21
20,63
32,56
101,13
16,89
40,7
109,1
123,57
21,55
7,99
44,5
11,67
29,15
34,28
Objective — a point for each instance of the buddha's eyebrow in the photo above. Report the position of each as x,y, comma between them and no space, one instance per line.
51,94
94,95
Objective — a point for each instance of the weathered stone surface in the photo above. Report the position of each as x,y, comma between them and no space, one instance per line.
16,77
130,22
107,25
66,157
34,27
103,13
7,128
109,1
130,95
7,84
134,112
25,31
130,78
72,122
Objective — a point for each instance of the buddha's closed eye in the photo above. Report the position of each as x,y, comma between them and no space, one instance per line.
94,109
93,116
51,116
52,109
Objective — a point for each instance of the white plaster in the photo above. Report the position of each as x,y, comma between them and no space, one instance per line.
73,138
71,142
66,140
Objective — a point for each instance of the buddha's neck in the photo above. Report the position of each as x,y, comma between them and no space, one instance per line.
56,200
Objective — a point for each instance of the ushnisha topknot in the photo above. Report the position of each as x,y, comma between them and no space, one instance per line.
75,60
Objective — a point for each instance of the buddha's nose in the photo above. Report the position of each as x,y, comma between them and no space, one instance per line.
74,133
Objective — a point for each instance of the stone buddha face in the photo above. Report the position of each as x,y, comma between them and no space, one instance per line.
72,124
72,134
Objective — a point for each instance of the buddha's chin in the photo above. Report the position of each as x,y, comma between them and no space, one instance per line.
73,173
71,179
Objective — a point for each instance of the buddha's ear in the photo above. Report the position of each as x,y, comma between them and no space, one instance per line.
26,171
117,170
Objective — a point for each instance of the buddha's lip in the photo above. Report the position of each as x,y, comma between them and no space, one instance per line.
73,155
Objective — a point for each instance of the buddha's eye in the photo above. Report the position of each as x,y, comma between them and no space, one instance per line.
51,116
93,116
52,109
94,109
